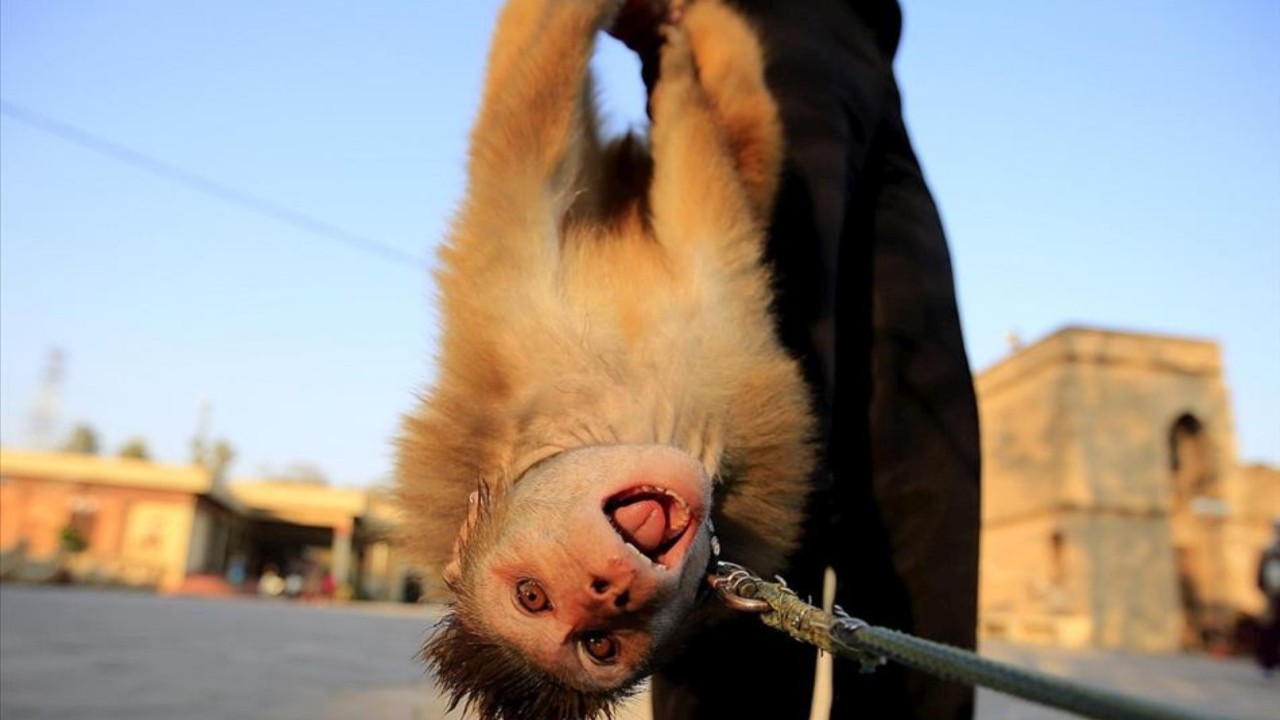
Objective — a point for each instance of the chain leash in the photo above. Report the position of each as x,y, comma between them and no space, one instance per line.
871,646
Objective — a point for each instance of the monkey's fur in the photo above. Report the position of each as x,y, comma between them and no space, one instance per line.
604,295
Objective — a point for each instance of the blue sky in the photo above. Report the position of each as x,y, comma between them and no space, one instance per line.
1102,163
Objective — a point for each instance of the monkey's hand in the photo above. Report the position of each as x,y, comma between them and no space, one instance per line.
639,27
637,24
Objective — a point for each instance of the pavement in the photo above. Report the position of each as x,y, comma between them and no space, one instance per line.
80,654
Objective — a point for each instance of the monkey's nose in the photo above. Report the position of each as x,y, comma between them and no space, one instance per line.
614,588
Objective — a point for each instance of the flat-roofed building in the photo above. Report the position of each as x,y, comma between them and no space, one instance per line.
141,523
113,519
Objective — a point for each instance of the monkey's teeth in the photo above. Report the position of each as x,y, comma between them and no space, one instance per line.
637,551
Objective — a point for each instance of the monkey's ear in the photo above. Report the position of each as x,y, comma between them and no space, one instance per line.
453,571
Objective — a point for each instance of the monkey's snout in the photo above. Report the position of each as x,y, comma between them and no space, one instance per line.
648,518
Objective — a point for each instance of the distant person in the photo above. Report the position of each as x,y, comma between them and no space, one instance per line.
270,584
293,585
312,579
328,585
1269,584
412,590
236,574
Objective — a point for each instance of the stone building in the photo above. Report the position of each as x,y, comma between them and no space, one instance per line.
1114,512
119,521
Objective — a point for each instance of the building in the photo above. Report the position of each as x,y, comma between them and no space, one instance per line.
131,522
1114,512
350,531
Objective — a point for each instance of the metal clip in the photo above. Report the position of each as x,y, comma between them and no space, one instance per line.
737,588
846,626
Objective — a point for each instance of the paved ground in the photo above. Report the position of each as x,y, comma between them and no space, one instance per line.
91,655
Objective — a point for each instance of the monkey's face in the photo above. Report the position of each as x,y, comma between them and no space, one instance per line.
600,554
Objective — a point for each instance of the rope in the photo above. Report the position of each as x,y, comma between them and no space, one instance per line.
850,638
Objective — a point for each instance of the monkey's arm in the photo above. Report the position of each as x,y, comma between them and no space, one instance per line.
529,135
704,217
730,63
500,261
731,68
700,202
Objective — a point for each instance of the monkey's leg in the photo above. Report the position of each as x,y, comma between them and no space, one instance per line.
731,68
528,136
698,197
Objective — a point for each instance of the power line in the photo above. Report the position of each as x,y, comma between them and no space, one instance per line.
207,186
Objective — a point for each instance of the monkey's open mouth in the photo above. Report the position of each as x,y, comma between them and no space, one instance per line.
650,519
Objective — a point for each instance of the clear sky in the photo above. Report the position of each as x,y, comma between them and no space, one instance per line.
1102,163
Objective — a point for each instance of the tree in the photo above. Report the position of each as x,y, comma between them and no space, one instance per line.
83,440
199,452
71,539
216,459
302,473
220,460
136,448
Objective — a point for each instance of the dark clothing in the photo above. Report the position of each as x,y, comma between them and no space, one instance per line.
1269,625
866,299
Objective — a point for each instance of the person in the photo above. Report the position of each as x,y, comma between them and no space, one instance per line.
328,585
411,590
270,584
1269,584
866,300
293,584
236,575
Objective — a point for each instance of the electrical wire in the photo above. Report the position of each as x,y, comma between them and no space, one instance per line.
207,186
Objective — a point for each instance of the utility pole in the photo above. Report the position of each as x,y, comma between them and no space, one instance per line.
200,449
43,419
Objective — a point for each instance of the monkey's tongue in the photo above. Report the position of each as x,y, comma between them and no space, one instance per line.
649,518
642,523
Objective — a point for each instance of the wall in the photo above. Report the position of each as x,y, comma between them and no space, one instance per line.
1124,393
1024,433
1128,580
1252,494
139,535
157,534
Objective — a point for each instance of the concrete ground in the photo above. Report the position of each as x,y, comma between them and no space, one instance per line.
77,654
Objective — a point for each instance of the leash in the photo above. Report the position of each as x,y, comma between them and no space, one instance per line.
871,646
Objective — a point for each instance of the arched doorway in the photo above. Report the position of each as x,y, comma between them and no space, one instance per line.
1195,516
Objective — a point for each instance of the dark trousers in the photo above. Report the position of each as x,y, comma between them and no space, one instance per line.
1269,646
1268,650
866,299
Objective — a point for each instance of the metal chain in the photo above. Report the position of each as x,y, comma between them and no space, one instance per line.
844,636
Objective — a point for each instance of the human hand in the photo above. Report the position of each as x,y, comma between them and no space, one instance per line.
637,24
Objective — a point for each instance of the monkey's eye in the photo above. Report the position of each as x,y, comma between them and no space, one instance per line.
600,647
532,597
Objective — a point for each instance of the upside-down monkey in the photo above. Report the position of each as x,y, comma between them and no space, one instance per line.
610,394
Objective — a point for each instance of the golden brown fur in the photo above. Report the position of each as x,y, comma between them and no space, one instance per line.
594,296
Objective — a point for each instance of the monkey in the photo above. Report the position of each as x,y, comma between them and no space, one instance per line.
611,399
